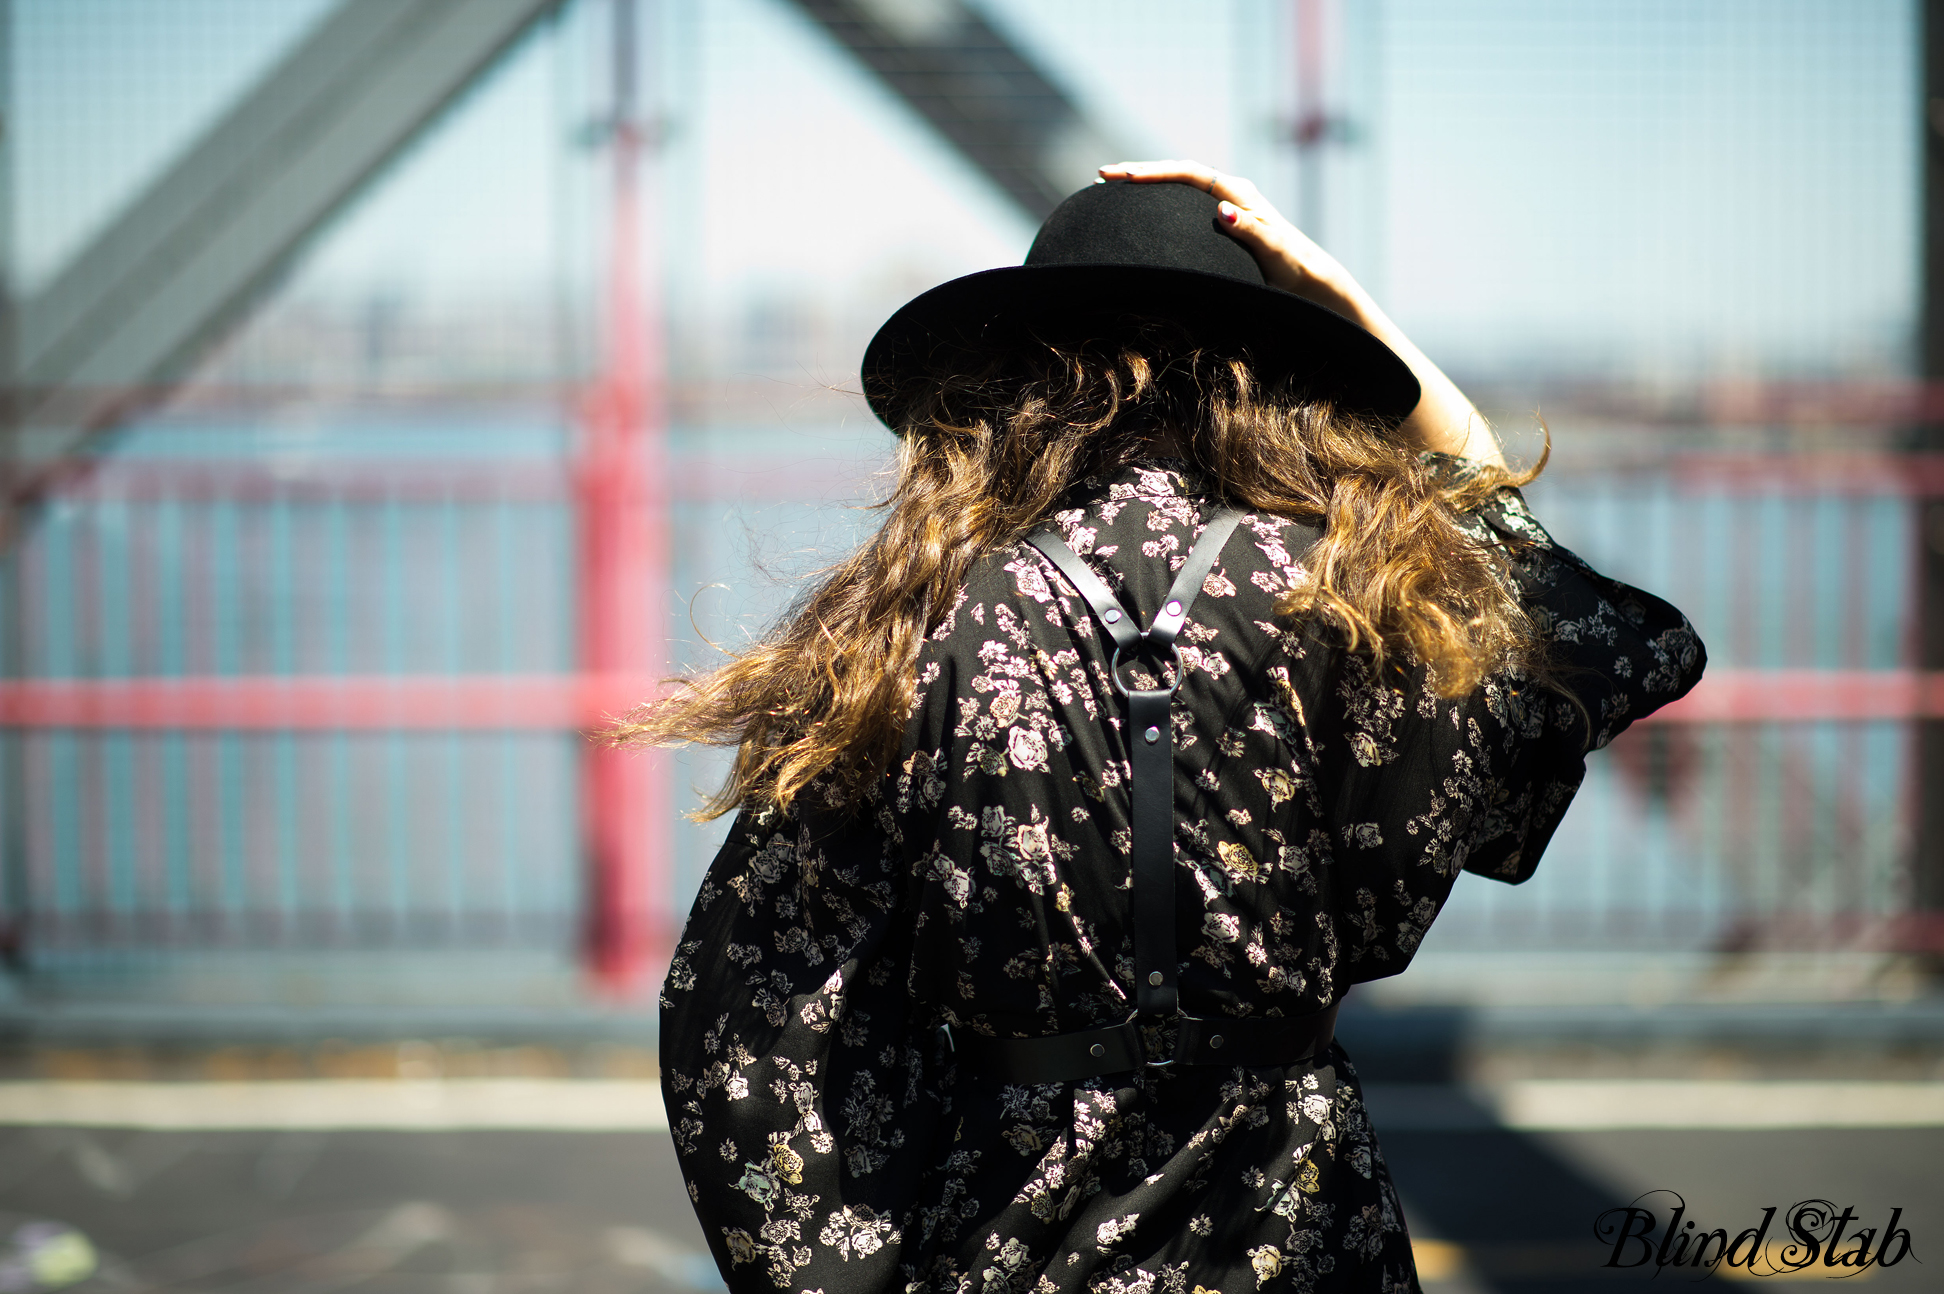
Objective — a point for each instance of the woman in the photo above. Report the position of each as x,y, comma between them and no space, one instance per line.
1205,641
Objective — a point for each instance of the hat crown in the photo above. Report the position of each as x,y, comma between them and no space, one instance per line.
1121,249
1161,226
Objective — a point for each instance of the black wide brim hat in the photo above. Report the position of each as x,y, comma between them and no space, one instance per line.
1150,250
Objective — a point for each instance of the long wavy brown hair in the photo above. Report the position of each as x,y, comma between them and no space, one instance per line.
990,439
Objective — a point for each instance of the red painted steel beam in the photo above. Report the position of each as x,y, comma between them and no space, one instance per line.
1908,475
1881,404
325,703
1889,402
622,490
262,703
719,477
1806,695
699,478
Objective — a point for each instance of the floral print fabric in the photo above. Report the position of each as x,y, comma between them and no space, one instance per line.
1322,815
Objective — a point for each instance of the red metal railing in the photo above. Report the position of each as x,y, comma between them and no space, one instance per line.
147,687
585,702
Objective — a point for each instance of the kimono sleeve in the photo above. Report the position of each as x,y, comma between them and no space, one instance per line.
1419,787
1619,652
798,1080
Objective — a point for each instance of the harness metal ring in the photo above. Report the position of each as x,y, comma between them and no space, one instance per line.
1113,668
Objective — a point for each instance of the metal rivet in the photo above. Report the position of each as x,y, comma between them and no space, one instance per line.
1215,1040
1155,978
1174,607
1111,615
1153,735
1096,1051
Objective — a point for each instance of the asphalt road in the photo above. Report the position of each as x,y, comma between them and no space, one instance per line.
301,1212
1523,1204
498,1212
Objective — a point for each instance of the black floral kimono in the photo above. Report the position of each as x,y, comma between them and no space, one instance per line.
1322,815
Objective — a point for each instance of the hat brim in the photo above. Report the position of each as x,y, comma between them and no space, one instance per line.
1287,337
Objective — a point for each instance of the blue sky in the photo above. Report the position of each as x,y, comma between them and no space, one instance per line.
1655,188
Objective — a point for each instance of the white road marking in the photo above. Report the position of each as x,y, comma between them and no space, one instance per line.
1593,1104
607,1105
554,1105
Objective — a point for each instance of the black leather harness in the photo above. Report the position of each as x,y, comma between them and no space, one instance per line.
1088,1053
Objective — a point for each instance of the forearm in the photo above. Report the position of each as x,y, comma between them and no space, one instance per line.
1444,421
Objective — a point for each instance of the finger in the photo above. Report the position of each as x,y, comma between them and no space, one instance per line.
1245,226
1199,174
1170,165
1288,259
1242,192
1231,188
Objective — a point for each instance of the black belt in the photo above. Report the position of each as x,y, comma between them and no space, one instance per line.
1089,1053
1150,738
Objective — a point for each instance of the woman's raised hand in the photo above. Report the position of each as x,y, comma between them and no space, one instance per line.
1444,419
1289,259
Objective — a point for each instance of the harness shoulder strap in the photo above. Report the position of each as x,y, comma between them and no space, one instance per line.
1150,738
1106,607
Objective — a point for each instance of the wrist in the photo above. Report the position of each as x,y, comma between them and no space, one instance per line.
1351,301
